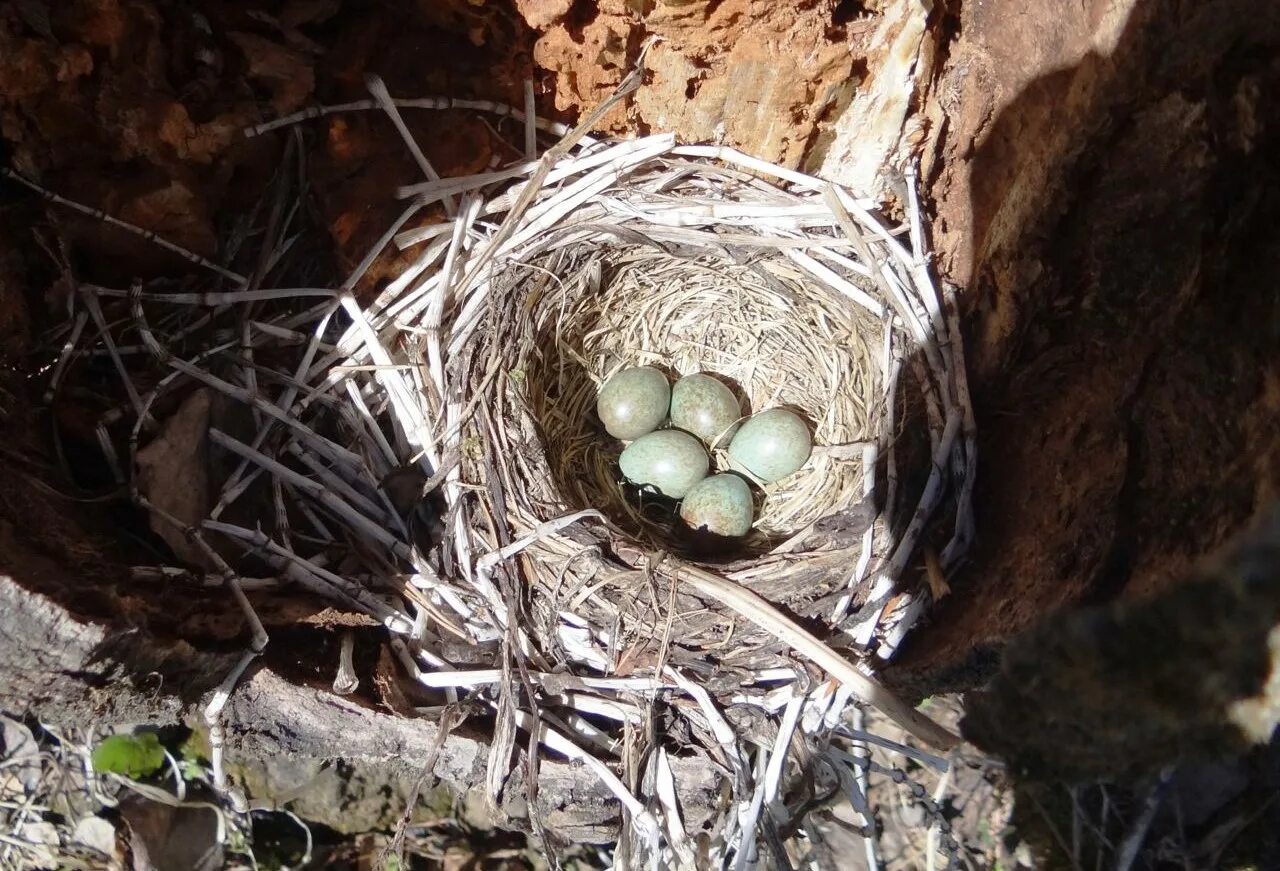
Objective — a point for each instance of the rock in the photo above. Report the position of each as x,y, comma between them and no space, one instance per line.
173,474
97,834
20,776
165,838
40,844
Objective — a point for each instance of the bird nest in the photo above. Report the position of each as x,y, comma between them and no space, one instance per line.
431,457
577,312
701,259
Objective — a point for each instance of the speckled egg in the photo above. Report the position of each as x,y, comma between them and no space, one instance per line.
771,444
668,460
634,402
703,406
720,505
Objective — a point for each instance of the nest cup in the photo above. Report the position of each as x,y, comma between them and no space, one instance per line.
772,336
690,259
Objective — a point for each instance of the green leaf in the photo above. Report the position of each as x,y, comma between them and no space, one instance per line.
195,748
133,756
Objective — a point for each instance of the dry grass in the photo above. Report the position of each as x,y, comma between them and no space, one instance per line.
759,326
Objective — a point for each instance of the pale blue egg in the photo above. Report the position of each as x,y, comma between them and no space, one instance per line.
772,444
703,406
669,461
634,402
721,505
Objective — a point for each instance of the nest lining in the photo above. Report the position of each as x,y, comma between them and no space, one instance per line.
477,368
757,325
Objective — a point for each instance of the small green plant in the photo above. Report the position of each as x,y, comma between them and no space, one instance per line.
193,759
132,756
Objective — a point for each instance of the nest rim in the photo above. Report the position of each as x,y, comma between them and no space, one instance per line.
784,561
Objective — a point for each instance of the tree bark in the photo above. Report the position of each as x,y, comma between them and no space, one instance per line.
1118,692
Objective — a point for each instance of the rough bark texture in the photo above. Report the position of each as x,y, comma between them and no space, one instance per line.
747,72
1118,692
1108,189
1173,698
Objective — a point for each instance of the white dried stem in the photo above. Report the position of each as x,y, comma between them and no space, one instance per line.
321,530
641,818
214,299
858,734
776,768
554,683
723,733
384,451
378,89
355,499
217,732
282,528
109,453
530,122
827,276
235,484
329,583
929,499
932,838
858,794
104,333
905,617
433,321
870,456
665,786
965,529
332,451
68,349
418,235
177,573
764,615
437,103
371,528
99,215
885,580
346,682
749,817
